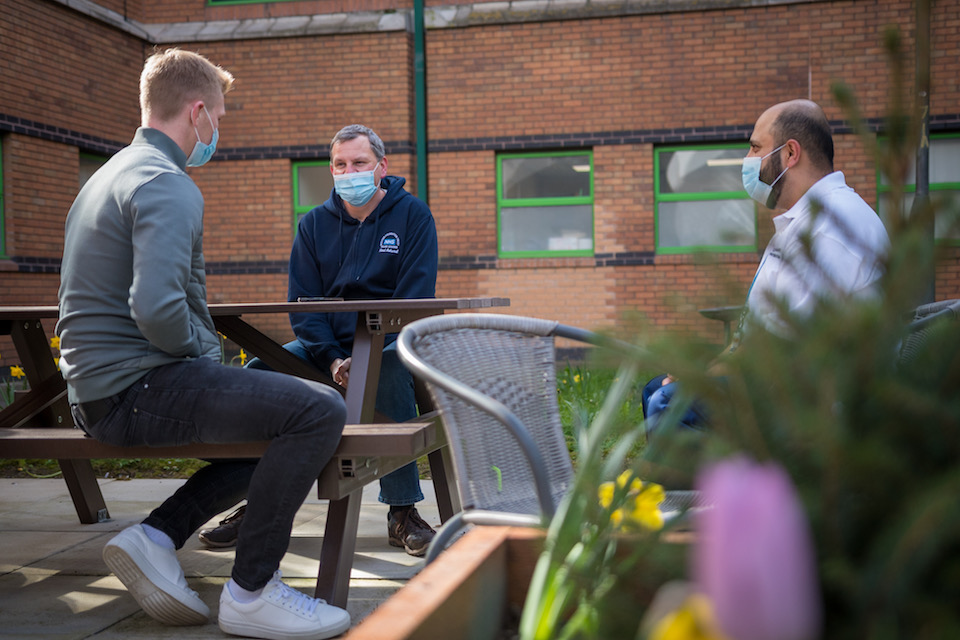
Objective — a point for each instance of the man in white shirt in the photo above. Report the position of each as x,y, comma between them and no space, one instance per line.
829,243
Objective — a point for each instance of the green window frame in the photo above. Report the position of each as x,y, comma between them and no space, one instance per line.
535,218
944,180
312,183
698,193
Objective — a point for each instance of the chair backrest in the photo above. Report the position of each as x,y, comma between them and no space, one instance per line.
924,318
493,377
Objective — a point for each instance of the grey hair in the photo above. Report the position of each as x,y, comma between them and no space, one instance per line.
352,131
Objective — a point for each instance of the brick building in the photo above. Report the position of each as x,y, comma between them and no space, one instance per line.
579,154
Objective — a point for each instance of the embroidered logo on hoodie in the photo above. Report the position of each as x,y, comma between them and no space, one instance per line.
390,243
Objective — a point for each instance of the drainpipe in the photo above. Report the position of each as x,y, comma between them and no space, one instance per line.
420,98
921,197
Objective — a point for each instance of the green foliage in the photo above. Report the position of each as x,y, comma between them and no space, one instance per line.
117,468
581,392
871,442
585,583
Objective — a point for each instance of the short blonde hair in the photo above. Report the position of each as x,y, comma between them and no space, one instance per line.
174,77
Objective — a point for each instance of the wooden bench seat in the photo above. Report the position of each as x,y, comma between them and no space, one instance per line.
71,443
366,452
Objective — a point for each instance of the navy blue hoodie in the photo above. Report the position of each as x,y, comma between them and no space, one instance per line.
391,254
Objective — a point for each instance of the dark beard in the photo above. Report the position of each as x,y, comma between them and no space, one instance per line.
774,167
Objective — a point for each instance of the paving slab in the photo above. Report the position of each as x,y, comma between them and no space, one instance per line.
54,584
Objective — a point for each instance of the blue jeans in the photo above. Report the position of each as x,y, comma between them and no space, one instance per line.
656,397
395,399
201,400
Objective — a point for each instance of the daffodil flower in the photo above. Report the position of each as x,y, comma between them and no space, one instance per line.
641,509
692,621
243,357
55,342
17,371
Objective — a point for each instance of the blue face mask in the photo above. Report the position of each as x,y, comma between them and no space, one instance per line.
754,186
203,152
356,188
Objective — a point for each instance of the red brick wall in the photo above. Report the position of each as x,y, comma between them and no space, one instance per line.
248,212
301,91
663,73
36,196
623,205
62,70
463,199
668,70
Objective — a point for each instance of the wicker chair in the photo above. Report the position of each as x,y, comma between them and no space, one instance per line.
921,324
493,377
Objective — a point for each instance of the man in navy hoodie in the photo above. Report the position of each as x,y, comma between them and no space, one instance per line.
370,239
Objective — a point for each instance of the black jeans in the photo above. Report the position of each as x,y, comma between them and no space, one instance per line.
203,401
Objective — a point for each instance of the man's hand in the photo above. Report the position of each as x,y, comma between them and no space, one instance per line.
340,370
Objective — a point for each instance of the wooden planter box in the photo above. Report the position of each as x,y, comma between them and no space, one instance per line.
465,593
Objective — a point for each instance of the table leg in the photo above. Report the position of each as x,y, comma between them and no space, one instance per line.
272,354
364,372
336,553
84,490
52,409
37,361
441,462
444,483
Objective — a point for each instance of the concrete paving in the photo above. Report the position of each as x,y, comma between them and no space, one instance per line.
54,584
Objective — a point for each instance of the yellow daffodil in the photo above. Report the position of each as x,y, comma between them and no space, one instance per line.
692,621
243,357
576,378
642,506
646,508
606,494
17,371
636,484
55,342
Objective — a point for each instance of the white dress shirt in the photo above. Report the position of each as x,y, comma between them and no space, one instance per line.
847,245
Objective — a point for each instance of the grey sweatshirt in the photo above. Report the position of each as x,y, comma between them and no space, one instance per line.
132,284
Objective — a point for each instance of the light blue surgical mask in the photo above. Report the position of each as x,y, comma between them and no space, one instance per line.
754,186
202,153
356,188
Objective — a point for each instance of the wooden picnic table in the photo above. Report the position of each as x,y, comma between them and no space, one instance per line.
45,406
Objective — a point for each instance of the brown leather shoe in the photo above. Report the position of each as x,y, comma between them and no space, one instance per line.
407,529
224,535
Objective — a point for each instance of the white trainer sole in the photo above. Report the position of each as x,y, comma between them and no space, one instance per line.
159,604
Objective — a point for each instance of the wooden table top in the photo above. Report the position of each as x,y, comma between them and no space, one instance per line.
30,312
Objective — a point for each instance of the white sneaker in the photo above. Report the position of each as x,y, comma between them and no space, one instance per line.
154,578
281,612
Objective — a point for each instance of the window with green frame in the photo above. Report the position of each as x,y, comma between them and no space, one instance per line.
545,204
944,183
312,184
699,200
